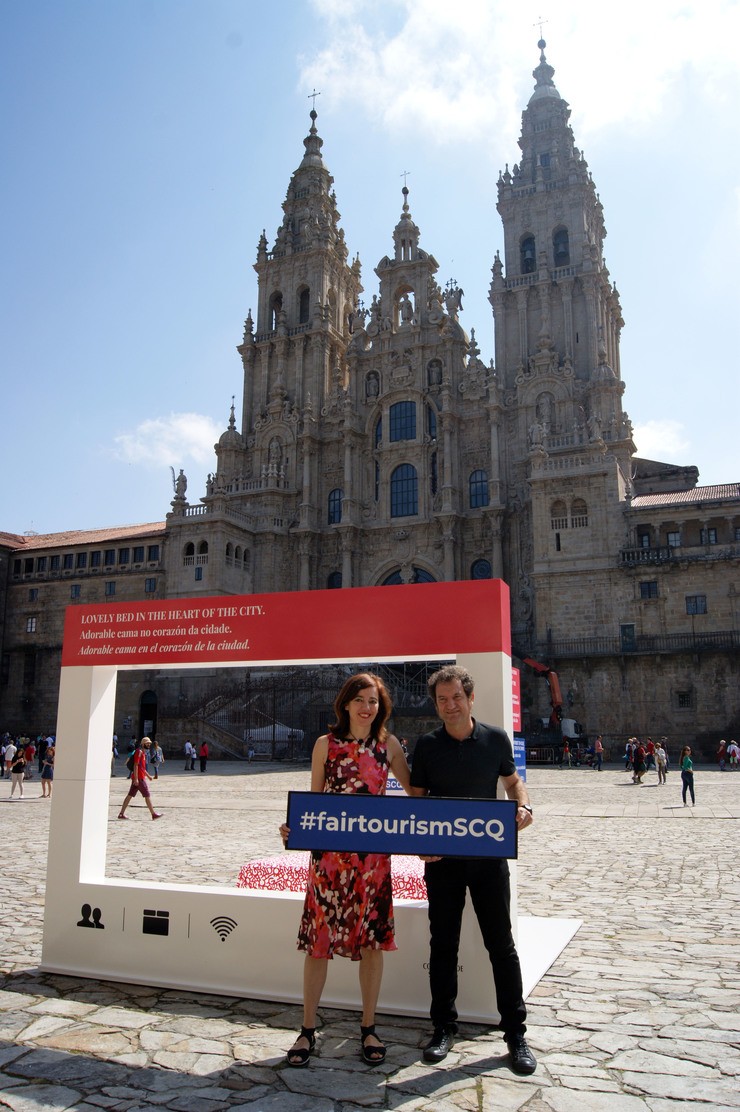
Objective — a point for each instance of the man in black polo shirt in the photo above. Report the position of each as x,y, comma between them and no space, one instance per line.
466,758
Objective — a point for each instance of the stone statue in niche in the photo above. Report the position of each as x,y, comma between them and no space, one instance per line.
545,411
434,372
536,434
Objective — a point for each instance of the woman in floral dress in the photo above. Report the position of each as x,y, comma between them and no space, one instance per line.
348,908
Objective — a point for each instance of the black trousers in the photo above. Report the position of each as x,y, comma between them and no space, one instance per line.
448,882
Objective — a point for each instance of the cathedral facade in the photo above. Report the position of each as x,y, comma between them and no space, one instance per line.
376,447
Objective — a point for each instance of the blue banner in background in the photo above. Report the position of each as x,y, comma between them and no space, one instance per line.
401,824
520,756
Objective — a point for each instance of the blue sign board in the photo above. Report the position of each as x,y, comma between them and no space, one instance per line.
402,824
520,756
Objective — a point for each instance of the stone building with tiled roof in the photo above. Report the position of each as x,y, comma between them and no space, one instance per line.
375,447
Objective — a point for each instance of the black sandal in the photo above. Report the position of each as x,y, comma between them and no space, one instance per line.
373,1055
298,1056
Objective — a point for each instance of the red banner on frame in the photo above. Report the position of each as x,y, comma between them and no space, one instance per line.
416,621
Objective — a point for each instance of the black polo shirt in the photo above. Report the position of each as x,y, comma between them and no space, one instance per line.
444,766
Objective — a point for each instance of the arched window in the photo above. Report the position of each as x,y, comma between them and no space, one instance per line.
404,491
403,421
560,247
276,304
527,255
203,548
419,576
334,580
559,515
578,514
378,431
481,569
335,506
304,306
431,422
433,477
478,489
188,555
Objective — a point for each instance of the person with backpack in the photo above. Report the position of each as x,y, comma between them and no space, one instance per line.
139,776
156,758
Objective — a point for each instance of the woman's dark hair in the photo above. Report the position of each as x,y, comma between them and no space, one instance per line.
349,689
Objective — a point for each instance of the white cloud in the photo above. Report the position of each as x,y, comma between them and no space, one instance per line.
174,441
661,440
458,71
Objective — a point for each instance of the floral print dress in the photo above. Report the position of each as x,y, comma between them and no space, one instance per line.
349,903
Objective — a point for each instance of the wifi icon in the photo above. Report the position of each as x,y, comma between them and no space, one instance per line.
223,926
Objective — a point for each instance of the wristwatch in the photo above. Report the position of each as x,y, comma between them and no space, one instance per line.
526,807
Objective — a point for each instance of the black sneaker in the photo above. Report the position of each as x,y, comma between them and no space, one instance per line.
439,1046
521,1057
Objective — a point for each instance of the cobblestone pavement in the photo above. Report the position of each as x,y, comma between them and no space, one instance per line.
641,1011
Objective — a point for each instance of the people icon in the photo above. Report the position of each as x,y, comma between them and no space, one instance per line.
91,917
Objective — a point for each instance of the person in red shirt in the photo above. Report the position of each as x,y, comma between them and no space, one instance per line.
29,754
139,777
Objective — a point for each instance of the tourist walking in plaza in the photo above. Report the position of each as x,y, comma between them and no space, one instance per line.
687,775
47,769
598,753
465,758
139,777
661,758
722,755
203,755
18,770
29,753
8,755
628,751
733,754
638,762
348,909
189,756
156,759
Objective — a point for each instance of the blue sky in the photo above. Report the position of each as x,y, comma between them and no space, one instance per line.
148,142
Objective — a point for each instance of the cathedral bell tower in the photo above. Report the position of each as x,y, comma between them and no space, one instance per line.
558,322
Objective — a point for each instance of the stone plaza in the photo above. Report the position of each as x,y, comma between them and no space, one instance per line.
640,1011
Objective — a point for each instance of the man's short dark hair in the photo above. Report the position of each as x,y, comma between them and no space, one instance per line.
448,674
